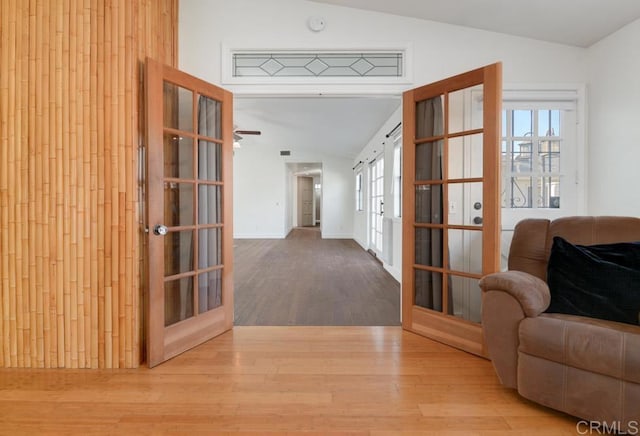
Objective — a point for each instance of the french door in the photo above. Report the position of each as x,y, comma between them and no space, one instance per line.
189,213
376,204
451,204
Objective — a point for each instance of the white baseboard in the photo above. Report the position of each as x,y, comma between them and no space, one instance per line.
258,236
394,271
337,236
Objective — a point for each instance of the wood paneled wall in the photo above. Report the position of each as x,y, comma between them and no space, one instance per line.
70,125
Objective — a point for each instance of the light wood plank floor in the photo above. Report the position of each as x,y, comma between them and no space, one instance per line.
322,380
306,280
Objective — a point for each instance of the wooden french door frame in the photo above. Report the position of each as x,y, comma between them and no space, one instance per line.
441,324
166,339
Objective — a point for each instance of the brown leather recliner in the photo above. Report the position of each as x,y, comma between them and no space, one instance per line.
586,367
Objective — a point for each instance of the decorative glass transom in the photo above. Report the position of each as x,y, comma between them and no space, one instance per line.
318,64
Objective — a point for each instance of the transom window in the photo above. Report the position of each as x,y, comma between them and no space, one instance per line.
318,64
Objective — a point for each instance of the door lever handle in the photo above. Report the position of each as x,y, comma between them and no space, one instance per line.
160,230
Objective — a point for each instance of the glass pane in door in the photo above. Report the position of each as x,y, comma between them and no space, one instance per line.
209,248
428,289
178,252
209,290
209,204
209,117
465,157
429,119
429,160
178,107
178,204
465,109
466,301
178,156
209,161
178,300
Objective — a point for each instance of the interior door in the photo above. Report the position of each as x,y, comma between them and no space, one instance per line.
189,213
451,207
305,201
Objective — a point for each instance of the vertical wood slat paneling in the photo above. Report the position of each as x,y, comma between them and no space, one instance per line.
70,126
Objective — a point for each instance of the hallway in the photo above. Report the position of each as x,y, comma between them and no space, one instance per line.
306,280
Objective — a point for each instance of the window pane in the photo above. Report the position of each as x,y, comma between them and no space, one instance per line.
531,160
548,192
504,123
549,123
521,156
549,157
521,192
522,121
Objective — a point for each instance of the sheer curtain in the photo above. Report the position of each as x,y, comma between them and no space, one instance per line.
429,205
209,204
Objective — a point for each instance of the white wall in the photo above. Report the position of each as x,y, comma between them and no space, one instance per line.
262,184
614,124
440,50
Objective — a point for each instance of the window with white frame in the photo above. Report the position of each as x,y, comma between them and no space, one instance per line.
397,175
541,156
359,192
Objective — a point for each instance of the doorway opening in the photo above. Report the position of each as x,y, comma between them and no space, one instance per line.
310,263
304,195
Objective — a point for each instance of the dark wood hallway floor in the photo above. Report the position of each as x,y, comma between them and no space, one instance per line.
306,280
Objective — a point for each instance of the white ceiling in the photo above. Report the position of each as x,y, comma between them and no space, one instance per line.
574,22
340,126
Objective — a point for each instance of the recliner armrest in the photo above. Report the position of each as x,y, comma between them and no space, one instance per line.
531,292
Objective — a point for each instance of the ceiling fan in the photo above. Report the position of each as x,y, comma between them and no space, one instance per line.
237,133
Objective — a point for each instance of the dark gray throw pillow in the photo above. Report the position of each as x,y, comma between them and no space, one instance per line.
598,281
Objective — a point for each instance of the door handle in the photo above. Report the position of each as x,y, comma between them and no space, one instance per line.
477,220
381,208
160,230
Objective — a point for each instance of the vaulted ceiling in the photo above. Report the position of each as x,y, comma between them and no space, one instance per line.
573,22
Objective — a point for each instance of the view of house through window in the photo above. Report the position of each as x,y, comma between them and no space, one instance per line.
532,144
